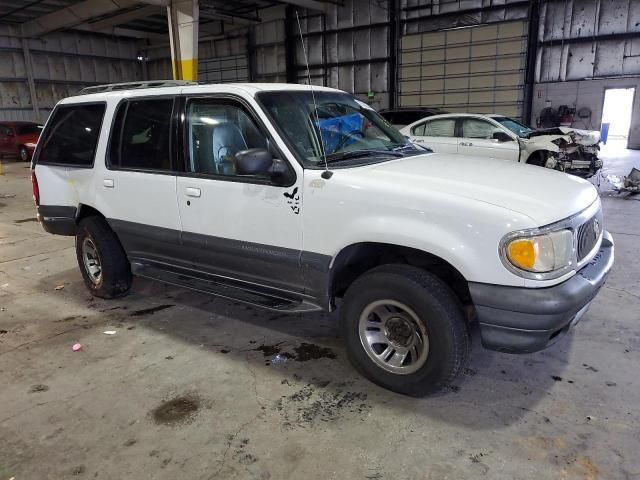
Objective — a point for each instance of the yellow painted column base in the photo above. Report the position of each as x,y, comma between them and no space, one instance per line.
185,69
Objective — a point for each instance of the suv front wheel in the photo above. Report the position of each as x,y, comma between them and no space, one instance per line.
104,265
405,330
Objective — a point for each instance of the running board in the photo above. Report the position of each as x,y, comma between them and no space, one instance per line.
226,288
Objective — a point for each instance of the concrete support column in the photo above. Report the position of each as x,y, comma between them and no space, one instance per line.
182,16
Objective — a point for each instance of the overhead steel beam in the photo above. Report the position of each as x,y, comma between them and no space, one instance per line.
308,4
227,18
79,13
124,32
126,17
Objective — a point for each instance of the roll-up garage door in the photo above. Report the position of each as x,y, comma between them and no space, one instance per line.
476,69
234,68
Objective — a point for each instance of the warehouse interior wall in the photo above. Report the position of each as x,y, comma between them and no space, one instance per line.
62,64
470,55
585,47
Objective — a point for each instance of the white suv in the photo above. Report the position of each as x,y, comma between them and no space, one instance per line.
298,200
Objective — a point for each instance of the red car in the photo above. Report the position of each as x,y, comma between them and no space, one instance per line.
19,139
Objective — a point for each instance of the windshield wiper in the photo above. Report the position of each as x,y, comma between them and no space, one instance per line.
411,146
339,156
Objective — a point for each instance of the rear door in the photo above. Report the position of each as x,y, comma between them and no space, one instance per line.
241,226
65,157
476,139
137,191
437,134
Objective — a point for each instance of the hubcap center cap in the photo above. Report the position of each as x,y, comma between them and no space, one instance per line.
399,331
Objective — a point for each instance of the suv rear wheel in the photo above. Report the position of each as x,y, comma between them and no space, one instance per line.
103,263
404,329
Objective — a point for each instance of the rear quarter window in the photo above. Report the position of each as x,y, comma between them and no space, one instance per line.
71,136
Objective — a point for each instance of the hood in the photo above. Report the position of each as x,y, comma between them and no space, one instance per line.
543,195
571,135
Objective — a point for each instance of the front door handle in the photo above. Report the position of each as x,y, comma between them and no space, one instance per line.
466,144
192,192
108,183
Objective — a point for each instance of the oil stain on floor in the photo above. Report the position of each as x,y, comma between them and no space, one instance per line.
309,406
176,411
302,353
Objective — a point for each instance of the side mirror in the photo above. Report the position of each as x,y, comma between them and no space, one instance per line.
501,137
255,161
258,161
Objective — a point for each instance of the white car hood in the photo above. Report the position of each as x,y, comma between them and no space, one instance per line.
585,138
543,195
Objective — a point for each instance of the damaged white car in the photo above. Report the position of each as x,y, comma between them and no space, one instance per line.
496,136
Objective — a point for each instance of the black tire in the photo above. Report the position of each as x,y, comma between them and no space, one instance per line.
23,154
115,279
435,305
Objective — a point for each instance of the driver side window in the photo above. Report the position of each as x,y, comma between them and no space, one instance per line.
216,131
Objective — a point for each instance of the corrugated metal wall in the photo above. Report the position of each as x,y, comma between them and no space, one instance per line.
269,50
224,60
588,39
348,48
221,59
62,64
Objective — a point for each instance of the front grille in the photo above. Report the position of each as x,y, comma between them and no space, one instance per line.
588,235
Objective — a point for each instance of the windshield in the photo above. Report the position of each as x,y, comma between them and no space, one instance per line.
345,127
516,127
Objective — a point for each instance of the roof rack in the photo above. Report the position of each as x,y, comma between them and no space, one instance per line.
111,87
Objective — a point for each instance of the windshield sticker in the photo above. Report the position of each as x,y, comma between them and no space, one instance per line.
293,200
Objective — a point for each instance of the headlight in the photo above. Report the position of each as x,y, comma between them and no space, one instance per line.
539,254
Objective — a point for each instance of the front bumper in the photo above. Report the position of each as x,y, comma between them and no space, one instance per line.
524,320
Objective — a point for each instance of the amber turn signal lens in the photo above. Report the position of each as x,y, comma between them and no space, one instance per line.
522,253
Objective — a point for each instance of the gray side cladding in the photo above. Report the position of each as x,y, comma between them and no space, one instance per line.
271,266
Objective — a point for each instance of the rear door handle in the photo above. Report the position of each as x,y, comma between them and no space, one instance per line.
192,192
466,144
108,183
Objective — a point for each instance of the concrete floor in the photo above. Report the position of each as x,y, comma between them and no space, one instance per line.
192,387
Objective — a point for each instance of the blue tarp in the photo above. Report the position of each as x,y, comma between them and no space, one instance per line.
335,129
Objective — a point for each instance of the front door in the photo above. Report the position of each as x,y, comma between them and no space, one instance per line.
476,139
438,134
244,227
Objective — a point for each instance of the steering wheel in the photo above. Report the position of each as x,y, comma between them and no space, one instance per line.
347,136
